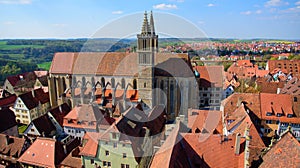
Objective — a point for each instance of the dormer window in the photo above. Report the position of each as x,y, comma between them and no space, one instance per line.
269,113
278,114
290,115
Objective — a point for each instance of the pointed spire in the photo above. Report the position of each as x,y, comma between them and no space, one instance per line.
152,24
145,28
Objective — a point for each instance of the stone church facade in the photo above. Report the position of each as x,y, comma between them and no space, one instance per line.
109,77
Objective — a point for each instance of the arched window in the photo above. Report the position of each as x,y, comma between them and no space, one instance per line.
123,83
134,83
113,83
102,82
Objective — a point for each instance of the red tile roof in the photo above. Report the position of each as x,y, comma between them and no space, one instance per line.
31,101
44,126
214,152
114,63
14,148
274,104
84,114
90,148
292,87
205,120
52,153
73,160
17,79
286,66
284,153
171,153
210,76
60,112
7,101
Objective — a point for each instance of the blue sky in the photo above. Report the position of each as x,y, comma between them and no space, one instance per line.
276,19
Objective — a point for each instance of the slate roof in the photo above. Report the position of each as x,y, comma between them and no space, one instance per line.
7,119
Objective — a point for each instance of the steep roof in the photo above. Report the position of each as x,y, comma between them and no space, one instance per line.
214,152
284,153
16,79
172,153
60,112
241,123
14,147
205,120
31,101
7,119
51,155
44,125
73,159
210,76
250,100
85,112
114,63
292,87
6,101
276,103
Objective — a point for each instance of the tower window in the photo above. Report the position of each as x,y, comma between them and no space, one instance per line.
134,84
145,85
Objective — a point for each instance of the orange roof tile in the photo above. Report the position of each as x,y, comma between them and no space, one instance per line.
284,153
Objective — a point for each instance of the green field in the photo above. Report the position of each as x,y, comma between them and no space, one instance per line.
45,65
4,46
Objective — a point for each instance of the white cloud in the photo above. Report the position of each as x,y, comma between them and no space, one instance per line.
180,1
275,3
297,3
211,5
8,23
246,13
117,12
258,12
16,2
251,12
165,6
59,25
201,22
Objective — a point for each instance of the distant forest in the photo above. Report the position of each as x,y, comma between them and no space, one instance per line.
22,55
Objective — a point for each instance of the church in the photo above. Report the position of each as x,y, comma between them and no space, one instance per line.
121,79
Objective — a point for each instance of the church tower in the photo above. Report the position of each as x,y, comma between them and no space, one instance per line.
147,47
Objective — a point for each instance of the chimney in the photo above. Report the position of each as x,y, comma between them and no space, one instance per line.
65,148
237,144
60,108
32,91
